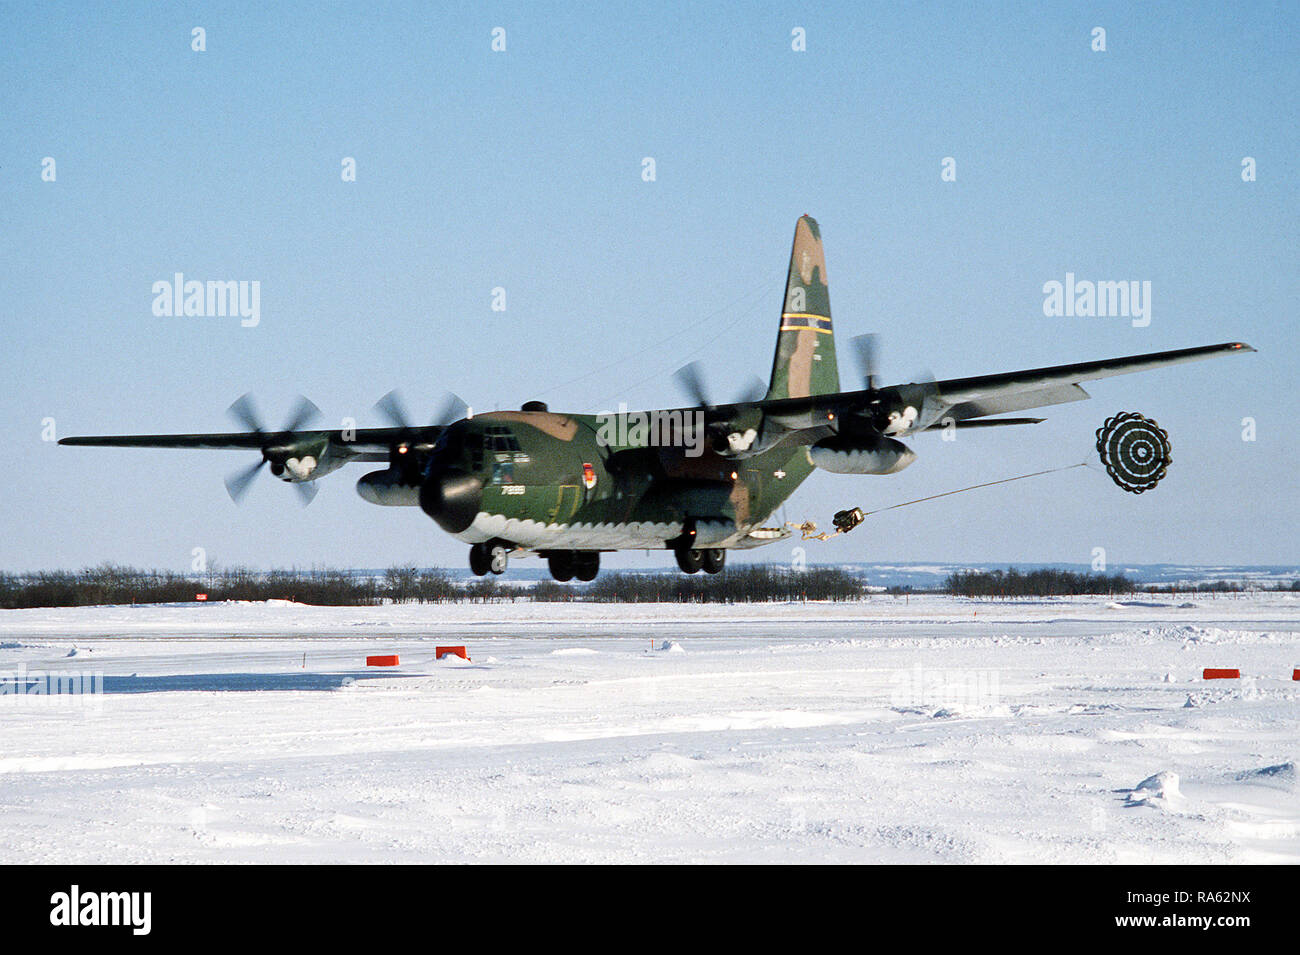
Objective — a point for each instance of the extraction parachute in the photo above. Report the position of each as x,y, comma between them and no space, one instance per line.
1135,451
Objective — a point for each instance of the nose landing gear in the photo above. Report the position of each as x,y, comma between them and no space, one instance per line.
487,557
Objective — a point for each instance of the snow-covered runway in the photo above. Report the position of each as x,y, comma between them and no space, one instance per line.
935,729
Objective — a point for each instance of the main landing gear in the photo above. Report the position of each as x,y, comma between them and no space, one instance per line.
567,564
694,559
488,557
493,558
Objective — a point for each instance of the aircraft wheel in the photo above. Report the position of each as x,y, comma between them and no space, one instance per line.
587,565
480,561
690,559
561,566
498,559
715,558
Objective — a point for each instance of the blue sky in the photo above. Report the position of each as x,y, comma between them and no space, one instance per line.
522,170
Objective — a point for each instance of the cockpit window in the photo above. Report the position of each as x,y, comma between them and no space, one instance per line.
498,438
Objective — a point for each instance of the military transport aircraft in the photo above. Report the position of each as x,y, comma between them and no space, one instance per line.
697,480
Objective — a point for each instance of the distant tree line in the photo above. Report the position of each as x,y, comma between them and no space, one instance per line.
114,584
1042,582
1051,582
756,583
1223,587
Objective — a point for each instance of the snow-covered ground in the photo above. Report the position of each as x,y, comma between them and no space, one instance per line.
931,729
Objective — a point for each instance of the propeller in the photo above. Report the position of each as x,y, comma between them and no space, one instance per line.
755,390
245,412
866,350
392,407
453,409
690,378
237,484
304,413
883,401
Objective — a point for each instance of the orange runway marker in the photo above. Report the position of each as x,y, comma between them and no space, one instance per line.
440,652
1221,673
382,661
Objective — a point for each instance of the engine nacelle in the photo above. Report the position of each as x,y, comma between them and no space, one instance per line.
386,487
861,456
303,461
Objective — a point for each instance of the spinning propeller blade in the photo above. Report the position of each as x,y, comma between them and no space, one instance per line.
244,411
866,350
392,408
690,378
237,484
304,413
306,491
453,409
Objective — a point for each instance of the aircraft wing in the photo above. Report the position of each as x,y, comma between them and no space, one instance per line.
804,419
1056,384
965,398
361,444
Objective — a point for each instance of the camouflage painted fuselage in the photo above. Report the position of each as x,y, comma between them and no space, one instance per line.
550,483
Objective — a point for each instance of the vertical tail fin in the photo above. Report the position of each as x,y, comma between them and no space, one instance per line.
805,345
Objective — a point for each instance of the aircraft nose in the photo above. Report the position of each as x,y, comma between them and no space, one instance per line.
452,499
